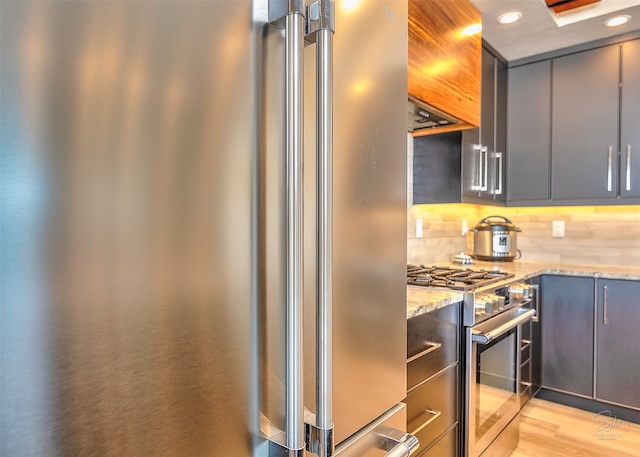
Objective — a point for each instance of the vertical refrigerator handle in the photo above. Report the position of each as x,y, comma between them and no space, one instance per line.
294,43
320,29
290,14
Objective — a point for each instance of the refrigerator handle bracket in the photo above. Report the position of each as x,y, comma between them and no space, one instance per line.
400,444
280,9
320,16
319,440
281,450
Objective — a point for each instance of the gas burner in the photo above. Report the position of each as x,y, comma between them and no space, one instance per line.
463,279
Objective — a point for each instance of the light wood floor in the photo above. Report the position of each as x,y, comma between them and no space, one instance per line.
552,430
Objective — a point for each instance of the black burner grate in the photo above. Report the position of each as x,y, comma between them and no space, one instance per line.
463,279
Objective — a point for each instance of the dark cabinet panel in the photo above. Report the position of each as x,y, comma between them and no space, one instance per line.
567,333
529,132
630,121
487,99
483,149
433,406
436,168
585,124
433,376
618,342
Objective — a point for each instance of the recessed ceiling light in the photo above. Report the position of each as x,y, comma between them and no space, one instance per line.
617,20
510,17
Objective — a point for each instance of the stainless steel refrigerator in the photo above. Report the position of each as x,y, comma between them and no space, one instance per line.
203,228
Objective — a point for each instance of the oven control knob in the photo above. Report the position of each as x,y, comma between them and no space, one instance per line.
479,307
516,292
492,304
501,302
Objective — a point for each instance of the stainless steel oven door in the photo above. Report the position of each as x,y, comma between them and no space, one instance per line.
492,377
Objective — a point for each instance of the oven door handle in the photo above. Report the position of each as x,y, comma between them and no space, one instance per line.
487,337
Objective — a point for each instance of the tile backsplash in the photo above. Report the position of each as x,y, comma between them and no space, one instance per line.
594,235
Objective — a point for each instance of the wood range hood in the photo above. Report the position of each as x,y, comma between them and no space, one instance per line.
445,60
562,6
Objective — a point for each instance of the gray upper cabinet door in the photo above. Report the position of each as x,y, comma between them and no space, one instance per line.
585,124
566,314
529,132
630,121
617,342
500,135
487,100
483,149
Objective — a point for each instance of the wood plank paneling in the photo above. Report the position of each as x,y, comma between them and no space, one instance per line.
444,58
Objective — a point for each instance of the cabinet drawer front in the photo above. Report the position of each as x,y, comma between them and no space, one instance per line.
435,335
447,446
433,406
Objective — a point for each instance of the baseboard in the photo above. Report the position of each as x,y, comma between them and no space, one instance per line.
586,404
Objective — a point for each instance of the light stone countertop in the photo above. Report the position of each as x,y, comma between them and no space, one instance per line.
422,300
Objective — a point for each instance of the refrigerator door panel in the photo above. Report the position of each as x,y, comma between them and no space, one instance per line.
127,139
369,233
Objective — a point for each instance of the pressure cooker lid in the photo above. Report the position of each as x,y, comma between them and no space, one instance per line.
503,224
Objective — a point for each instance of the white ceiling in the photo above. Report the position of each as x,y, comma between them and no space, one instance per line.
537,31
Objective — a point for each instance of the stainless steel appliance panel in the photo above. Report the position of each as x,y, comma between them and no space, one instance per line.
143,225
127,257
369,286
493,377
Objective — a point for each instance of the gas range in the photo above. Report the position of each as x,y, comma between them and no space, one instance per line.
463,279
481,301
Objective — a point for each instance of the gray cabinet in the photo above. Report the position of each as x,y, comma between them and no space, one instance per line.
484,149
574,128
529,133
618,342
585,124
630,120
436,168
433,380
566,312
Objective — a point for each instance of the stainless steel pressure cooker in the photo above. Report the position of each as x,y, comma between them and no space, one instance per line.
495,239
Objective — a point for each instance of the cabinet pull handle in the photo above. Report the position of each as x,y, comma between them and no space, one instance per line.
427,412
477,183
605,320
484,152
431,346
628,170
498,185
609,170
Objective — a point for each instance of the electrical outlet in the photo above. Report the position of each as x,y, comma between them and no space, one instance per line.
465,227
557,229
418,228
